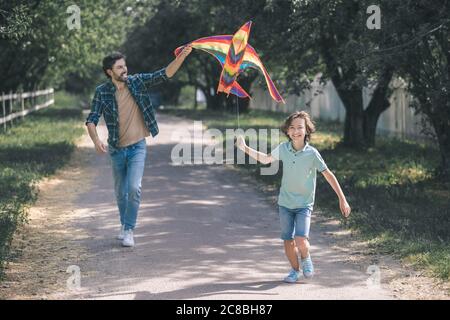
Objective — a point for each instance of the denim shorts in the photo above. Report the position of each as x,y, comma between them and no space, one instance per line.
294,222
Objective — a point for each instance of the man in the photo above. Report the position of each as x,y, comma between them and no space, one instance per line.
126,105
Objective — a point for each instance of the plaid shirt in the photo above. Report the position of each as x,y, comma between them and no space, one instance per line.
104,103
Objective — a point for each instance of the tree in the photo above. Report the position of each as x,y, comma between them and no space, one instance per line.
150,46
49,53
422,57
176,23
14,21
330,36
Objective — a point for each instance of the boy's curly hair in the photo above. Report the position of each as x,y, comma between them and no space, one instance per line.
310,127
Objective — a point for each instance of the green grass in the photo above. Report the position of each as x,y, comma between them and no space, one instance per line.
30,150
397,204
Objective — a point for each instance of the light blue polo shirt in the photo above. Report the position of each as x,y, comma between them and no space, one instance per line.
298,184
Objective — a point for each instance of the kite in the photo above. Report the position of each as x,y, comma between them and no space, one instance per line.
234,55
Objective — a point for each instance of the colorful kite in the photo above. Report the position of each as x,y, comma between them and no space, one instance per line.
234,55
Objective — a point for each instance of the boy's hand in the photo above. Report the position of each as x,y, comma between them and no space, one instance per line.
345,208
240,143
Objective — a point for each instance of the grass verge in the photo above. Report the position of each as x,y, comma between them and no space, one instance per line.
33,148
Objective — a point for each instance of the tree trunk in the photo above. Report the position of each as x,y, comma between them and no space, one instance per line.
444,147
354,117
442,129
195,98
210,105
353,128
370,128
213,101
378,104
244,105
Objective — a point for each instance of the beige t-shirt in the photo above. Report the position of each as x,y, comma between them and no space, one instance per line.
131,121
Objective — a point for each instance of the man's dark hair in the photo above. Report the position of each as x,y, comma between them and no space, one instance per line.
110,60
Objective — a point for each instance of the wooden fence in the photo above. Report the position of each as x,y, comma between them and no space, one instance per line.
323,102
15,105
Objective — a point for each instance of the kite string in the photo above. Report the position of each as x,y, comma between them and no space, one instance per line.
237,110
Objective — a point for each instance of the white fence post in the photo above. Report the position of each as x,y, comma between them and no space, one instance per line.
4,110
22,102
11,105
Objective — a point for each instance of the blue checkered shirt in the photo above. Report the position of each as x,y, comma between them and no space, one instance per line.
104,103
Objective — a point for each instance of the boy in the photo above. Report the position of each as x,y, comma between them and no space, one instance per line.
297,192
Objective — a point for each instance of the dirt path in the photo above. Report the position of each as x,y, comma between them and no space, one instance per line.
204,232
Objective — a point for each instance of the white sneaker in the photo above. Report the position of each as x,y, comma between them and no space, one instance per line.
121,235
128,240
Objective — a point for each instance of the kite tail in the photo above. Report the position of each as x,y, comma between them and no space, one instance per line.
272,89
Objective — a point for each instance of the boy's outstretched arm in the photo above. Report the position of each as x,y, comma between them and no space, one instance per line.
259,156
343,204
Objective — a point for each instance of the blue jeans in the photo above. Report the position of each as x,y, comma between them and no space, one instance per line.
128,168
294,222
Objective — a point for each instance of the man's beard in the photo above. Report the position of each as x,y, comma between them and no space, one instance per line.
121,78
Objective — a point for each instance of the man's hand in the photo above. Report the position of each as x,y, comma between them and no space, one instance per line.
240,143
173,67
100,147
345,208
185,52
